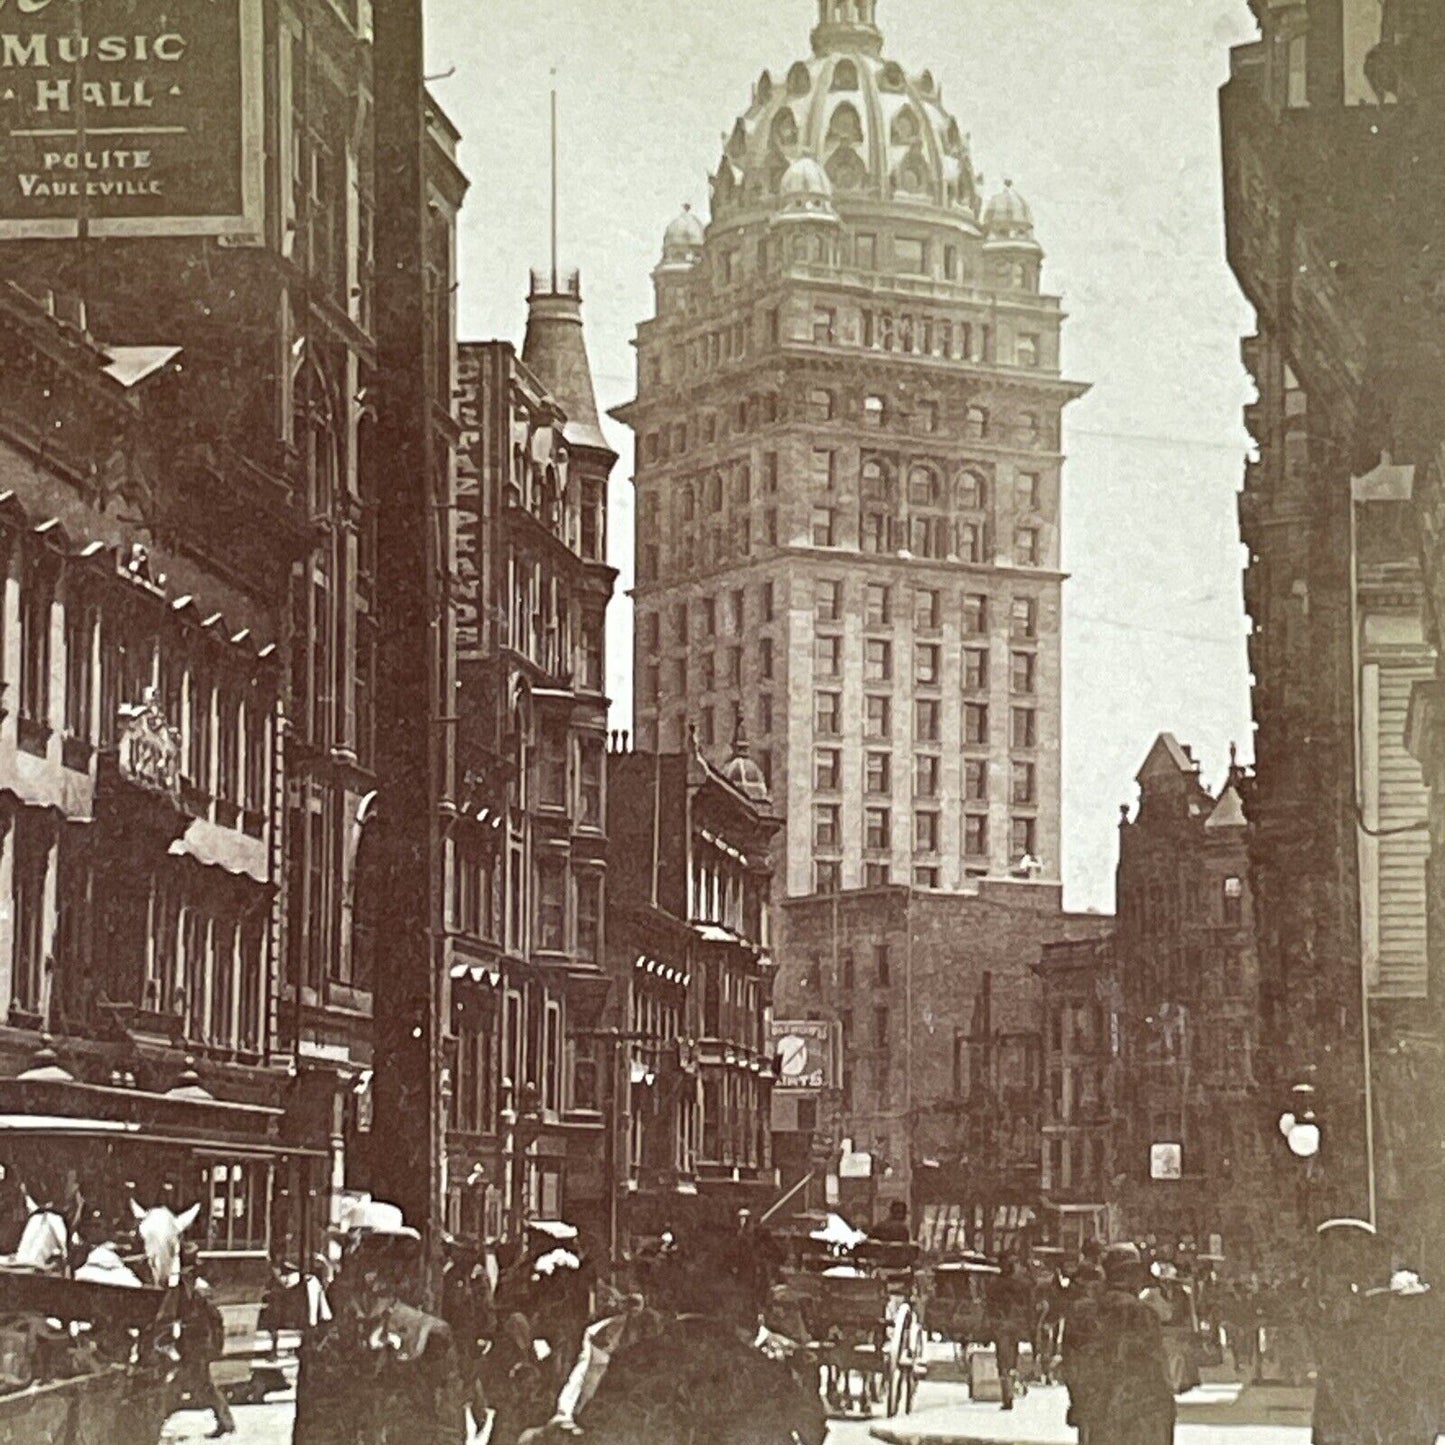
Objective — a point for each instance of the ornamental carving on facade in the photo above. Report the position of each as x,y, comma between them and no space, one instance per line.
149,750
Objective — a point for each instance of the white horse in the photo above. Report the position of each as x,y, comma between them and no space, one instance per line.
45,1245
161,1229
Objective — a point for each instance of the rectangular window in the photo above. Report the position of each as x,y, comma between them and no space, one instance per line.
927,769
1026,350
878,774
651,629
1024,619
827,770
765,713
735,666
31,864
877,716
877,875
1022,837
1026,546
925,831
828,601
822,528
878,605
707,672
823,470
737,611
877,660
707,726
679,622
970,542
910,255
828,714
770,472
1030,492
975,835
79,671
824,321
975,669
1233,902
874,532
551,905
551,771
828,656
765,657
925,663
770,526
927,714
865,252
827,876
1023,669
975,614
826,833
975,723
975,780
589,782
877,829
1025,727
925,609
925,877
767,601
38,590
1024,786
709,617
925,418
882,970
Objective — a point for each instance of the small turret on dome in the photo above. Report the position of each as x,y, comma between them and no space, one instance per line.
806,193
682,242
741,769
1008,223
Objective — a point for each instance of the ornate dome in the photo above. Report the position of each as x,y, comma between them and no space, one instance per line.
877,132
682,242
1007,219
742,769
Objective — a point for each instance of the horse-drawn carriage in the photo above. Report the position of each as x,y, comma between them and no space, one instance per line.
867,1328
958,1308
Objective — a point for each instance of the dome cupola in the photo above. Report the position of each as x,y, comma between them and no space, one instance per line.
1008,223
806,193
845,25
682,242
742,769
878,133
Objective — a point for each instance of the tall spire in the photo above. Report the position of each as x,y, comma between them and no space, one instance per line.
847,25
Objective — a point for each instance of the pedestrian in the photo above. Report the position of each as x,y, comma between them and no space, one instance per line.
1080,1367
893,1229
202,1342
1011,1315
1134,1404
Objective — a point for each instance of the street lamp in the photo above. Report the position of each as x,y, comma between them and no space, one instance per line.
1298,1124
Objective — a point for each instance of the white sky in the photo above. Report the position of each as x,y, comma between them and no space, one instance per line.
1104,114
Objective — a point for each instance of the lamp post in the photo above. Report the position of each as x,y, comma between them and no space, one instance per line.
1301,1131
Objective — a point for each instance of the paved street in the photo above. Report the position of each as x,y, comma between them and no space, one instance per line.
268,1424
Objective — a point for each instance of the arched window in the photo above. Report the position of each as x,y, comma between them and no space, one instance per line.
845,127
689,503
873,411
847,171
845,76
785,128
891,77
976,423
924,487
875,480
1026,429
800,82
905,127
972,492
820,404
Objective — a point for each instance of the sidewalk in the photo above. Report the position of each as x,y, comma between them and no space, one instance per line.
1211,1415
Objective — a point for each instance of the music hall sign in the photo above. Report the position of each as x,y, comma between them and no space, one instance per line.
131,118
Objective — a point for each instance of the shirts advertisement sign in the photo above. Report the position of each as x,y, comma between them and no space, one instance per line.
131,118
803,1050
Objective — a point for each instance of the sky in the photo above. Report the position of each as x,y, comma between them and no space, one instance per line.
1104,115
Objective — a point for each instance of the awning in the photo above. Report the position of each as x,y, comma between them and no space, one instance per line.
488,974
216,847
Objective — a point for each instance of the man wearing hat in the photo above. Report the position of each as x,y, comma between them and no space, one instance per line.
1115,1351
202,1342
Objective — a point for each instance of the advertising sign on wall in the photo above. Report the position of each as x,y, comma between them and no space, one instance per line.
132,117
804,1052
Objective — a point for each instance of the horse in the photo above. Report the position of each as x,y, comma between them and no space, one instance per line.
160,1229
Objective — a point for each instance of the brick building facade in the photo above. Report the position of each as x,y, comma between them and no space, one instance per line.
939,1006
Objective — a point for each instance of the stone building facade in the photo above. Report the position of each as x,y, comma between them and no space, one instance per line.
689,952
528,843
1332,215
1185,1013
848,454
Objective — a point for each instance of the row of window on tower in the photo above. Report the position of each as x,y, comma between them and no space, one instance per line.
870,411
878,776
877,719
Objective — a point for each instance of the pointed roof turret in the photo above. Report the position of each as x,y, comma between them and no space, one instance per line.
741,769
1228,811
555,351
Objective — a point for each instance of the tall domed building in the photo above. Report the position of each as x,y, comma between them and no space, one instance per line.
848,456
